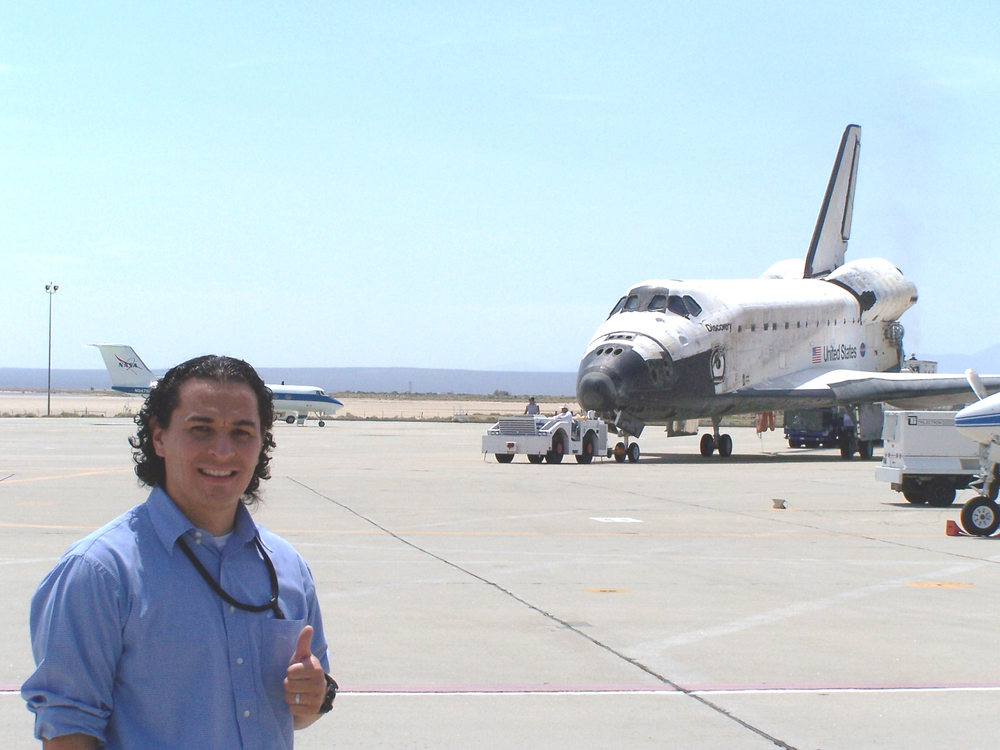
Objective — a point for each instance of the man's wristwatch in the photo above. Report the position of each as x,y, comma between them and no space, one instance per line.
331,693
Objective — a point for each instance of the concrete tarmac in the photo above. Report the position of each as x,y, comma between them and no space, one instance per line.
659,604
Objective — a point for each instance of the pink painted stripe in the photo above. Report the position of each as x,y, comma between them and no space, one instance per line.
657,688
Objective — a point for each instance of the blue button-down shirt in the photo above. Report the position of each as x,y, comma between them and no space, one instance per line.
134,648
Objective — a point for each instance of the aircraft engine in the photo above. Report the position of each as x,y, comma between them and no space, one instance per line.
880,287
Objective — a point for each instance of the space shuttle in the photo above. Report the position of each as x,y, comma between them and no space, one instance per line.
812,333
292,403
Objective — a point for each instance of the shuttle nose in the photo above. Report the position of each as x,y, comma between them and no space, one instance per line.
596,392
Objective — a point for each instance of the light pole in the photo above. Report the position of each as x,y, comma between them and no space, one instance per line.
50,289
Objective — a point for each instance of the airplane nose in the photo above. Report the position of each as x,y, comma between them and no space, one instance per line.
596,392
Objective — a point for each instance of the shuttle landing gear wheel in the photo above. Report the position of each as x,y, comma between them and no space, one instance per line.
504,458
847,447
532,459
707,445
322,423
865,450
980,516
290,419
633,453
725,446
587,454
619,452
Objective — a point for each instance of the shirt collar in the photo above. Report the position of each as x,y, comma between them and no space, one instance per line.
170,523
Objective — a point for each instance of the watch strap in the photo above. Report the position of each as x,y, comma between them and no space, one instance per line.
331,694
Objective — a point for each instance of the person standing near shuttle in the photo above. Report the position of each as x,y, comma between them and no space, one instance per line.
183,623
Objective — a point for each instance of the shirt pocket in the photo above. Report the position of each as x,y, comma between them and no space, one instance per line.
277,646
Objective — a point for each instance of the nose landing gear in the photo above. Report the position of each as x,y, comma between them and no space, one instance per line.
625,450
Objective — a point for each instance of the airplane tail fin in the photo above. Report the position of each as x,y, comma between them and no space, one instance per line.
128,373
833,226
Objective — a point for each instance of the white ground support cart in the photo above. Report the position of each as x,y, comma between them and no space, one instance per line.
547,438
925,457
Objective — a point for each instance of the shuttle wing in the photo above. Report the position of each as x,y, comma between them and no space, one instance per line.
809,389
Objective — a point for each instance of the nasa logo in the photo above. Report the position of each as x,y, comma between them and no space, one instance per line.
126,365
862,349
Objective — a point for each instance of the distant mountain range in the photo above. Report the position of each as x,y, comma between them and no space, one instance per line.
419,380
337,380
985,362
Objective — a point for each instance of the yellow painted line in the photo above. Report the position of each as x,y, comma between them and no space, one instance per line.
378,532
676,534
940,585
45,526
69,476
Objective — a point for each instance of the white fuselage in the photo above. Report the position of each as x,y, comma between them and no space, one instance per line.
981,420
300,400
717,337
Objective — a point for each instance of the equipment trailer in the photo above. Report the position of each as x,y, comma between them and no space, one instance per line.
547,438
925,457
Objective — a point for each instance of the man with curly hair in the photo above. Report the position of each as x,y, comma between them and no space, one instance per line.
183,623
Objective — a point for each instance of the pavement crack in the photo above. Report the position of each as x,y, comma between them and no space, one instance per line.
554,618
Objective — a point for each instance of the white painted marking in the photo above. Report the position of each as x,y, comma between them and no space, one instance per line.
617,520
651,651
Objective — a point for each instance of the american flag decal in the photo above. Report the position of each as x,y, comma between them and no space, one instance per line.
817,355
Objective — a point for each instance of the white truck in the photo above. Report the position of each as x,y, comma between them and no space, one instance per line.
925,457
547,438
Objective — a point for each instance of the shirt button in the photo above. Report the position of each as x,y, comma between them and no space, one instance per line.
197,535
232,608
239,660
197,541
246,714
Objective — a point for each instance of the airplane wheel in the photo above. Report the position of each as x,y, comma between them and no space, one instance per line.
866,450
980,516
707,445
633,453
322,423
555,455
533,459
725,446
504,458
290,419
588,449
619,452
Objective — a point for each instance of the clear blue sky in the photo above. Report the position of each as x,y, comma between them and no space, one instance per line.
472,185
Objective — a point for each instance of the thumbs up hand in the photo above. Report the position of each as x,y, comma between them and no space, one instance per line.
305,684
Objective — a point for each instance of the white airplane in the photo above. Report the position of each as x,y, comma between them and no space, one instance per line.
981,422
813,334
129,374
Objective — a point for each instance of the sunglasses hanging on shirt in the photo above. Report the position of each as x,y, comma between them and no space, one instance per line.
272,605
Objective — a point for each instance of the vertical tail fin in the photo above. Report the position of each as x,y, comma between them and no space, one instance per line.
129,374
833,226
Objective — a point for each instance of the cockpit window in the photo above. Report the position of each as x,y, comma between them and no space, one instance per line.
693,308
658,303
618,307
676,305
632,303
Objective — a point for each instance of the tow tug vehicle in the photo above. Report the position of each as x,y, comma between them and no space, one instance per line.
543,438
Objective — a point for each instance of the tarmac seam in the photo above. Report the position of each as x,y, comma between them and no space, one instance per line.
635,663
